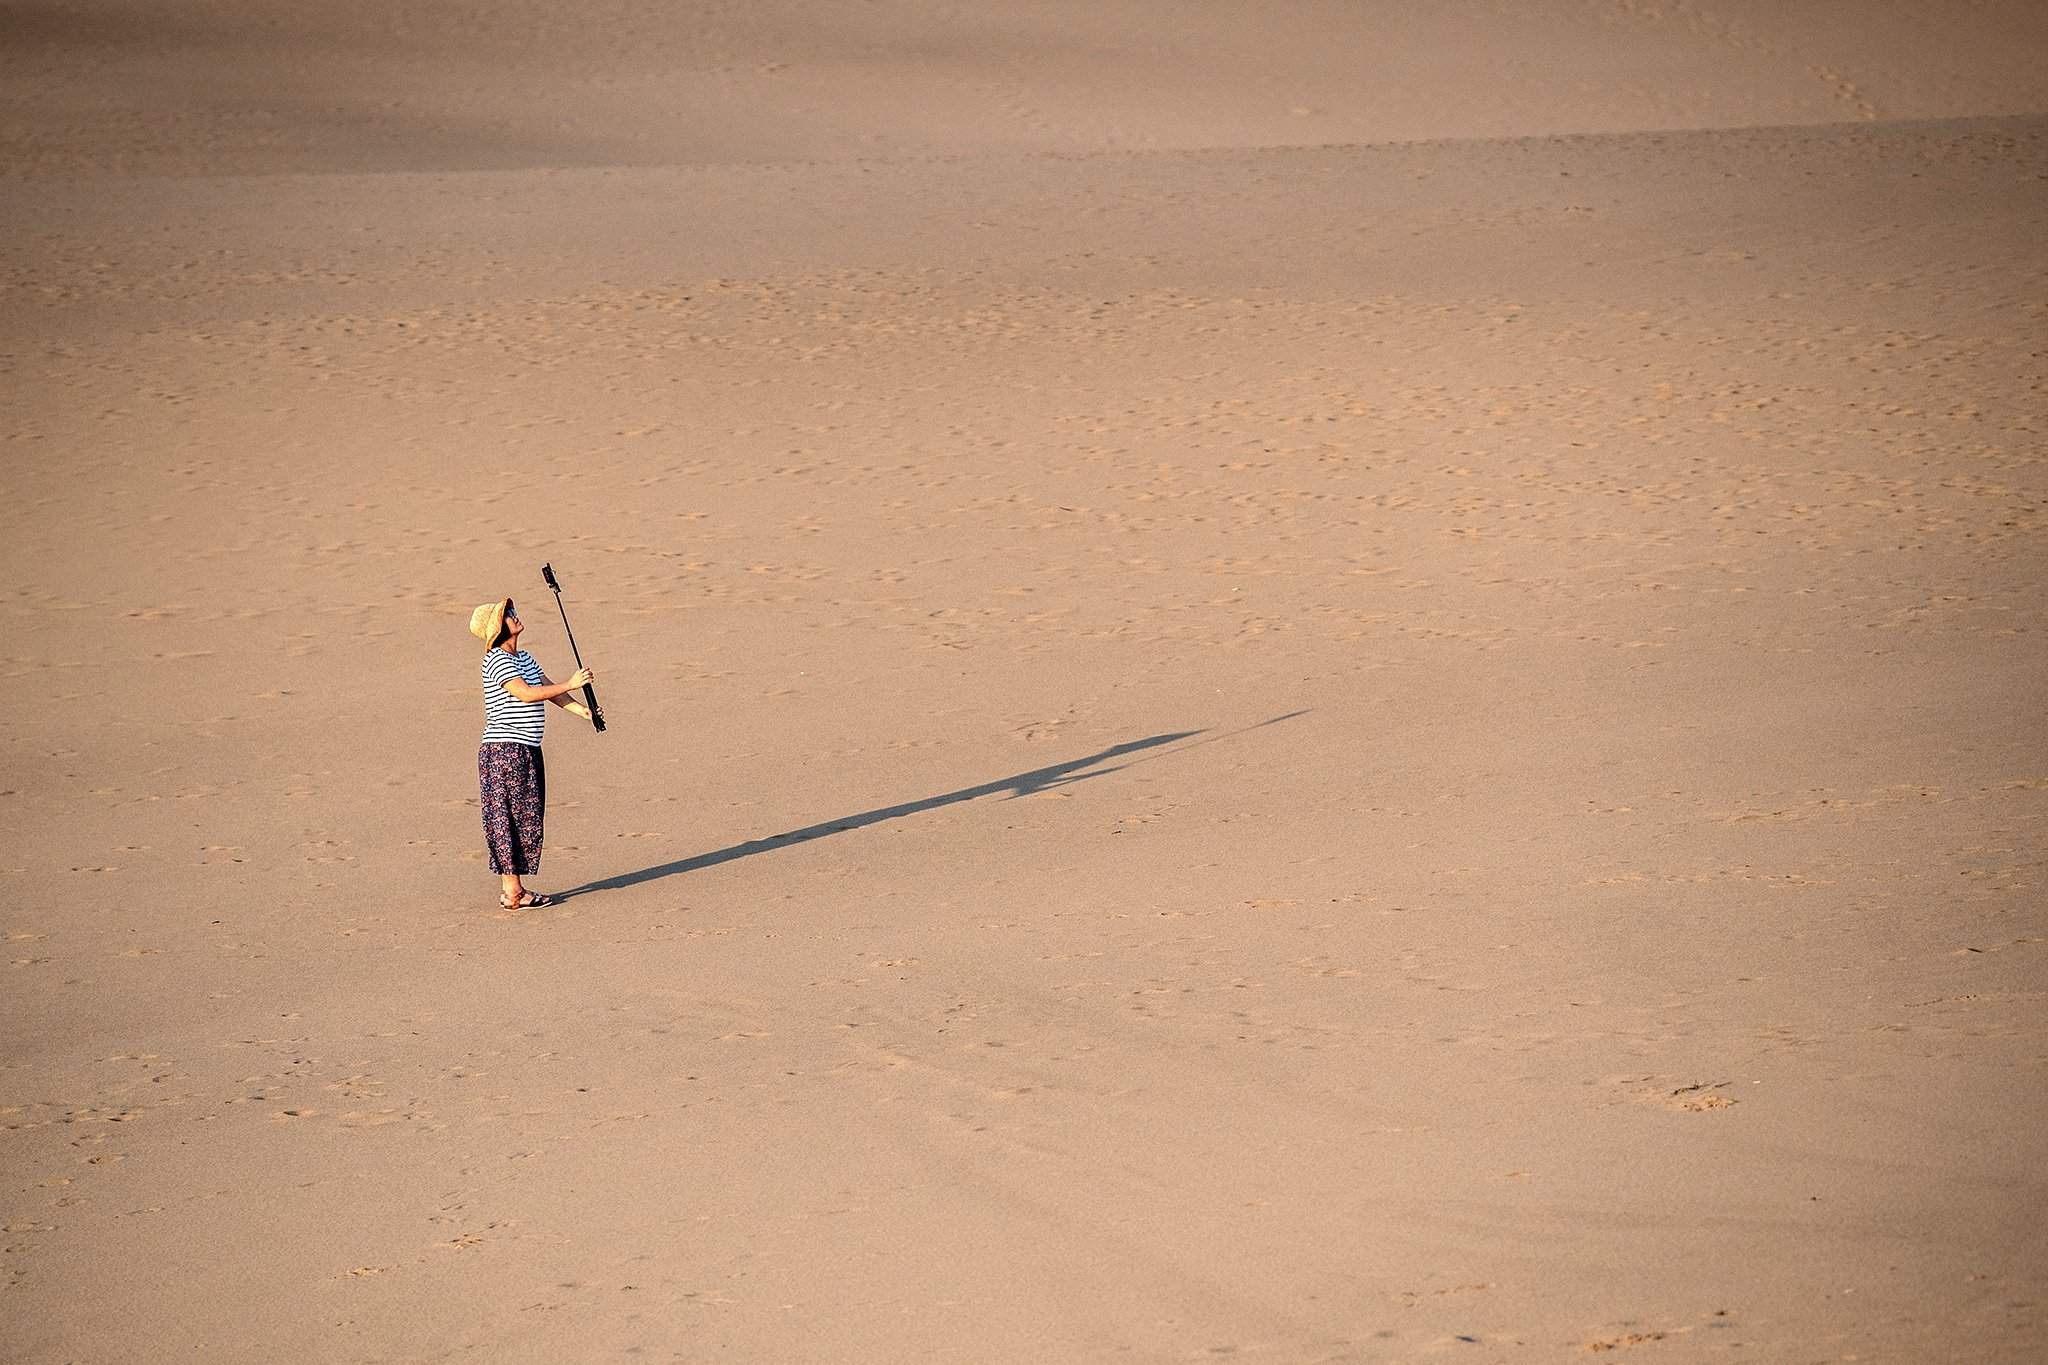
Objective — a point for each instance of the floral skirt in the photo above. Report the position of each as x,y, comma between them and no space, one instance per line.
514,784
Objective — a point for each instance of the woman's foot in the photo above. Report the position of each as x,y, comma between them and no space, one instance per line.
525,900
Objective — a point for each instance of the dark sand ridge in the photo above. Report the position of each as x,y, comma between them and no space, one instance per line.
121,87
1634,943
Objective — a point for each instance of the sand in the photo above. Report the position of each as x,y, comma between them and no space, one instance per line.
1322,682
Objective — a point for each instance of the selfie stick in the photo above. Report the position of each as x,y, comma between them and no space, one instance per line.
547,571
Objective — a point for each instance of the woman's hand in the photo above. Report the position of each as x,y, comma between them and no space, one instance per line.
577,708
583,677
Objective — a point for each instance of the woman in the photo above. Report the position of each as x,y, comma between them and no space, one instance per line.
509,772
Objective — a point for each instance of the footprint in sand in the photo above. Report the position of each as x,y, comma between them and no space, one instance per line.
1623,1342
1698,1098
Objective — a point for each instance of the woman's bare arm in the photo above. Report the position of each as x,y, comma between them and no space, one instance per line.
573,707
555,692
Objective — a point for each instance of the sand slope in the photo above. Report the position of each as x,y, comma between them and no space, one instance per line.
269,86
1226,742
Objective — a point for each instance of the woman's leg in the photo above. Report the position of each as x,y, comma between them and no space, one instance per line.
496,790
528,782
513,780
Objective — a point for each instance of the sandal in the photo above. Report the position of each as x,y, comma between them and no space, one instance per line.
529,900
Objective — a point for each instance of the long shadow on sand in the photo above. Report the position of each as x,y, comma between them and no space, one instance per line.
1022,784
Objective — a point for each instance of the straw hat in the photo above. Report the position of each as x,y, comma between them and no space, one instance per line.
487,622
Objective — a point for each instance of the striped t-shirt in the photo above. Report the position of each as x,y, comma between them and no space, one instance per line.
508,720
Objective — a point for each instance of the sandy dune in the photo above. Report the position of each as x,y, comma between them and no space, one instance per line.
1291,683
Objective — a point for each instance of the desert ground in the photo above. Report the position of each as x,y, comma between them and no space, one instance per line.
1308,682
